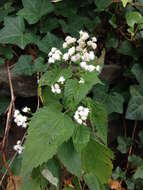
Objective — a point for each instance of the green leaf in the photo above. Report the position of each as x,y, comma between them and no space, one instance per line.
4,102
49,41
113,101
125,2
51,76
98,118
30,184
139,173
135,107
48,127
124,144
50,99
2,61
102,4
70,158
96,158
133,18
6,52
137,70
49,176
13,32
81,137
24,66
34,9
92,181
127,49
118,174
75,92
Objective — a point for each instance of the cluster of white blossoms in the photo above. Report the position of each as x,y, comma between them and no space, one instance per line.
55,88
54,55
77,50
18,147
21,120
81,115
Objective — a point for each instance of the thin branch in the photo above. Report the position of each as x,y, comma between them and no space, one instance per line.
8,124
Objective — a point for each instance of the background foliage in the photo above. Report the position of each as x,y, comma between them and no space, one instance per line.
28,30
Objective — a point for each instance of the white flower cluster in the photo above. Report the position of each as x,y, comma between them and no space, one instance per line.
54,55
81,115
55,88
21,120
18,147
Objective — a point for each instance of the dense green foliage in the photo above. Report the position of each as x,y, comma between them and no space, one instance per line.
55,142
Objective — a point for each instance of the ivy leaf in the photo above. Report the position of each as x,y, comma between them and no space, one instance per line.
102,4
124,144
135,106
133,18
81,137
70,158
49,41
113,101
125,2
48,127
34,9
139,173
4,102
98,118
24,66
13,32
96,158
92,181
137,70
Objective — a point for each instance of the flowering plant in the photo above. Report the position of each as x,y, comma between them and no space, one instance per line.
68,130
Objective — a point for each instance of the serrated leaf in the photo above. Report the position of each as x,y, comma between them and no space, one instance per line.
50,99
13,32
70,158
34,9
48,127
92,182
75,92
49,41
96,158
51,76
98,118
81,137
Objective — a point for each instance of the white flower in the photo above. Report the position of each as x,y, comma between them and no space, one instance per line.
26,109
71,51
18,148
51,60
89,43
61,80
53,49
81,115
20,119
83,35
83,64
98,68
91,68
16,112
94,39
66,57
81,81
94,45
64,45
56,56
70,40
56,88
91,55
75,58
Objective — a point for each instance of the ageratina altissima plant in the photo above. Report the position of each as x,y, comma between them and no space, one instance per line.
70,123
